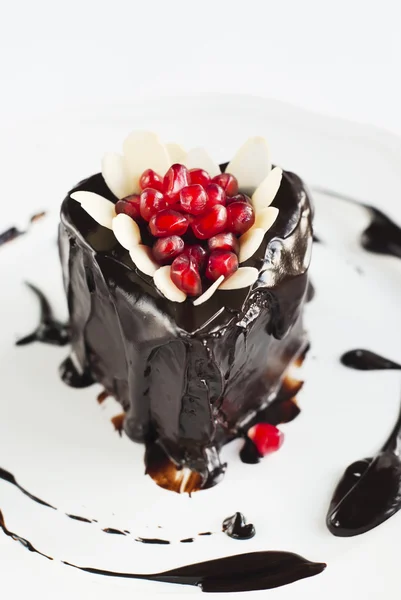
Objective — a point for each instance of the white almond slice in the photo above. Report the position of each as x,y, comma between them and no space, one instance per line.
142,257
266,218
143,150
243,277
176,153
267,190
209,292
115,174
249,242
166,286
100,209
251,164
198,158
126,231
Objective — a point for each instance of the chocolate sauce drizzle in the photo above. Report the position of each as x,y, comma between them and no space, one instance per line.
18,538
365,360
13,232
237,528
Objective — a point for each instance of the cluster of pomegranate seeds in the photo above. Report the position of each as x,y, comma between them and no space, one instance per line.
266,437
195,221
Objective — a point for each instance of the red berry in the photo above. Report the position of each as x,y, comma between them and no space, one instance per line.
197,253
240,217
224,241
228,182
221,262
215,194
166,249
210,223
168,222
199,176
239,197
193,199
151,203
184,273
151,179
129,206
266,437
175,179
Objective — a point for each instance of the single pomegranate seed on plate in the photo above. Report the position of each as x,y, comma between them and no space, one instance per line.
168,222
151,202
184,273
166,249
240,217
221,262
224,241
193,199
151,179
228,182
197,253
215,194
199,176
129,206
174,180
266,437
238,198
210,223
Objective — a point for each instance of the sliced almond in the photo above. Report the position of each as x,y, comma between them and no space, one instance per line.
115,174
176,153
198,158
243,277
251,164
142,257
100,209
165,285
143,150
265,193
266,218
209,292
126,231
249,243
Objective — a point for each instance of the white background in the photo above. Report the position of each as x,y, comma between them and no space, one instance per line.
340,58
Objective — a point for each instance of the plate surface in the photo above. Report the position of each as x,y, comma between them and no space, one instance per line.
60,444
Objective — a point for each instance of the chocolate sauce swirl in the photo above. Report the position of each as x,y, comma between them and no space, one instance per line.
365,360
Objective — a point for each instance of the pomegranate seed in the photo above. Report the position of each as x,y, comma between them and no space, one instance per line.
166,249
175,179
224,241
240,217
151,179
199,176
221,262
210,223
228,182
129,206
151,202
184,273
197,253
239,198
215,194
193,199
168,222
266,437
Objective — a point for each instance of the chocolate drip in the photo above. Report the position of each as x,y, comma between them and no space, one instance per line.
73,377
78,518
49,330
9,477
187,540
113,531
18,538
365,360
151,541
237,528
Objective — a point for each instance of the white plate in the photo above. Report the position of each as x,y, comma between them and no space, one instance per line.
59,442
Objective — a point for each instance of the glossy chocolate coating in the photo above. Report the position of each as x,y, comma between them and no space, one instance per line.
187,377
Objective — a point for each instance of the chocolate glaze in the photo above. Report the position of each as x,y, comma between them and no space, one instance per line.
49,330
237,528
365,360
73,376
185,376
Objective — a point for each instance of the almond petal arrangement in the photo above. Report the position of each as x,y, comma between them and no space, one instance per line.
203,223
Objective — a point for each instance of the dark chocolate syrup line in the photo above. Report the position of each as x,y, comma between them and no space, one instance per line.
13,232
237,528
9,477
49,330
151,541
18,538
369,492
114,531
365,360
78,518
382,236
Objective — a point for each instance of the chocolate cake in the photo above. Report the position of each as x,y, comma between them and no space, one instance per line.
192,351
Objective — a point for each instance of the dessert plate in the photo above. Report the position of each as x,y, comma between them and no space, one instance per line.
60,444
